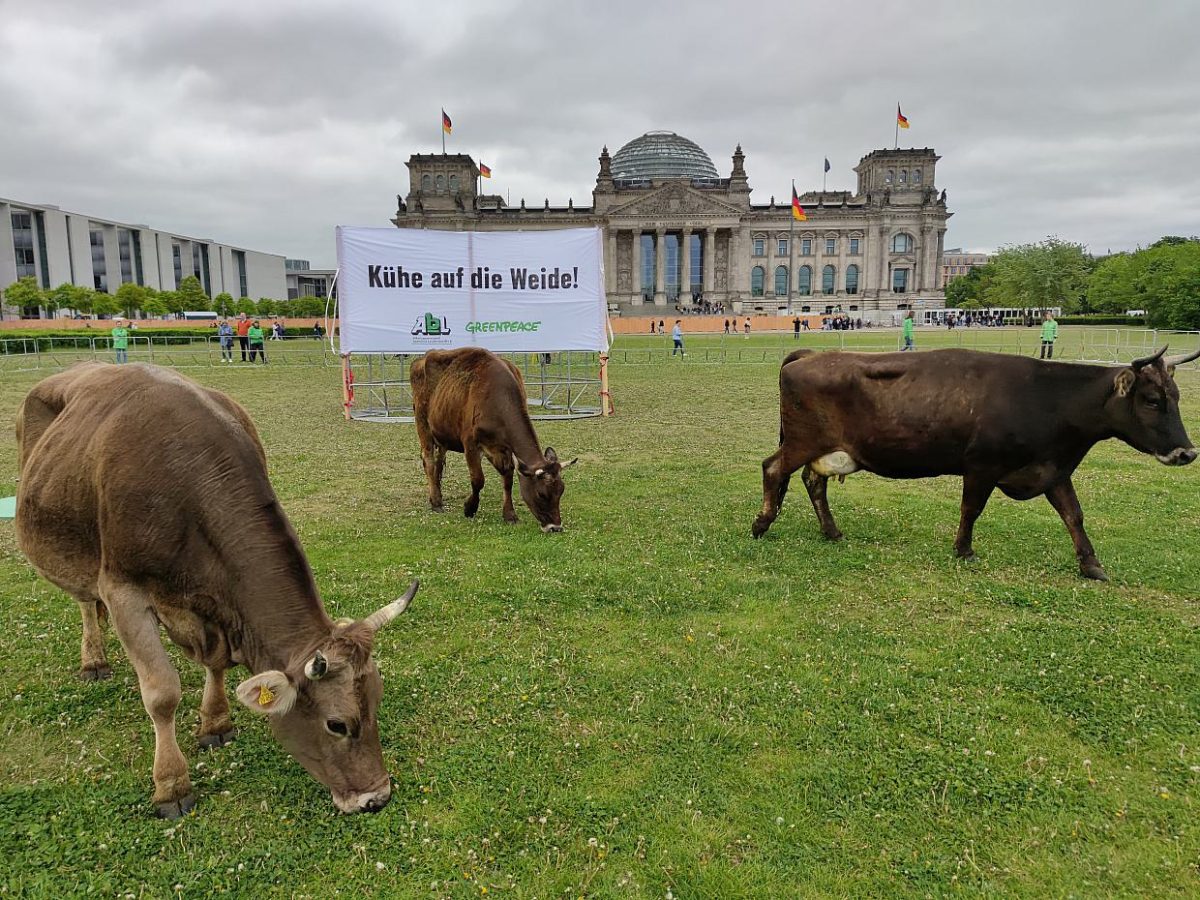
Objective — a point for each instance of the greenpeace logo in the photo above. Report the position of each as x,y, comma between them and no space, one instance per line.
503,327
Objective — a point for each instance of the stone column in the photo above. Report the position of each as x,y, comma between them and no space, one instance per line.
610,261
709,261
929,265
636,274
685,268
660,267
885,252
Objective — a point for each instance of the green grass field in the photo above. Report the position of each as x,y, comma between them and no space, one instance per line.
653,704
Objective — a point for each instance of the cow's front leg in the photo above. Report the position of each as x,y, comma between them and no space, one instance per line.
93,662
158,681
976,491
475,468
503,462
817,486
216,726
433,460
1063,498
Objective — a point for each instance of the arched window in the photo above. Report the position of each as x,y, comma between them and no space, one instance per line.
902,243
916,176
781,281
441,184
828,280
890,177
852,279
904,176
756,281
426,182
453,184
804,281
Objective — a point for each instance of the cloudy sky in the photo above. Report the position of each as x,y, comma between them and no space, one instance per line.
264,124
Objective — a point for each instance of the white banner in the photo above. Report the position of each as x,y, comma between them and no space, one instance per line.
403,290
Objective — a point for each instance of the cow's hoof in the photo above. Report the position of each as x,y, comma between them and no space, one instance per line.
469,509
511,520
758,529
173,809
966,555
213,741
437,507
833,536
96,672
1095,571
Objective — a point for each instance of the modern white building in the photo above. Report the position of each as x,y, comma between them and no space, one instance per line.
59,247
305,281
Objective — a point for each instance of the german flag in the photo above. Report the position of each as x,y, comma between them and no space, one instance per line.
900,120
484,170
447,126
797,209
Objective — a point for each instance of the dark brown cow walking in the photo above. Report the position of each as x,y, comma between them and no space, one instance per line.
147,495
473,402
1019,424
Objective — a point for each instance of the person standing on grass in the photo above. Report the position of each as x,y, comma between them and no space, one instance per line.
677,337
796,328
909,343
120,339
747,326
243,331
1049,335
225,337
255,335
727,326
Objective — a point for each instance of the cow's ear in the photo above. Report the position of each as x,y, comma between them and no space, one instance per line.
1123,383
269,693
551,456
1170,371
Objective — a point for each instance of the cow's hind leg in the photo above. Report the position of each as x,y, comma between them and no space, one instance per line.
216,726
1063,498
503,461
93,662
475,468
976,491
817,486
777,474
433,461
159,684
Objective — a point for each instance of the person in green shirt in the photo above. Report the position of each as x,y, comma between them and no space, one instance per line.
256,342
908,332
1049,336
120,339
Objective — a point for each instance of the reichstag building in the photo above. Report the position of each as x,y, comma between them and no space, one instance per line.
676,232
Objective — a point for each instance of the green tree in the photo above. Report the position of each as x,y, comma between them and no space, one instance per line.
25,293
307,306
105,304
1051,273
171,300
1112,287
191,294
154,304
265,306
969,287
70,296
1169,285
246,305
130,297
223,304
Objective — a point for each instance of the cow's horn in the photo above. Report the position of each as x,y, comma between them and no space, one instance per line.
1183,358
1147,360
315,668
385,614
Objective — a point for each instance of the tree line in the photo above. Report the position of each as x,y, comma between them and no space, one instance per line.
133,299
1162,279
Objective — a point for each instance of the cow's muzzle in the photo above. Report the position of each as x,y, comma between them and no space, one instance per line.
551,528
370,801
1180,456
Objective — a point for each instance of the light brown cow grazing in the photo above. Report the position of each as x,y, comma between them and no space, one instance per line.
147,495
473,402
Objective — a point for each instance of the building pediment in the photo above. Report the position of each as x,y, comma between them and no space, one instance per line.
675,199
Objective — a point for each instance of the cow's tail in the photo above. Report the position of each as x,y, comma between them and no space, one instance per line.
791,357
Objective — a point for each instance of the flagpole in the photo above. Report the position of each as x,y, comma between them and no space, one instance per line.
443,124
824,175
791,246
897,126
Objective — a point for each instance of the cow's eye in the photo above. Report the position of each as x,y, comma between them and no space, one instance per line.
1153,402
337,727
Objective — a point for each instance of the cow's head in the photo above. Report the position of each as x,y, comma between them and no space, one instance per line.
1145,408
542,488
323,710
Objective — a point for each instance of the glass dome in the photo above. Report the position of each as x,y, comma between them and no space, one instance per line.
661,154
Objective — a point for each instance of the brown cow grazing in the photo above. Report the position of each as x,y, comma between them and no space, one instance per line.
147,495
473,402
1019,424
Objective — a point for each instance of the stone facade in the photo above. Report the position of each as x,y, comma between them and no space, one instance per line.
694,239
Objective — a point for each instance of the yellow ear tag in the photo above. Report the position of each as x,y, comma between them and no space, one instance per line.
265,695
